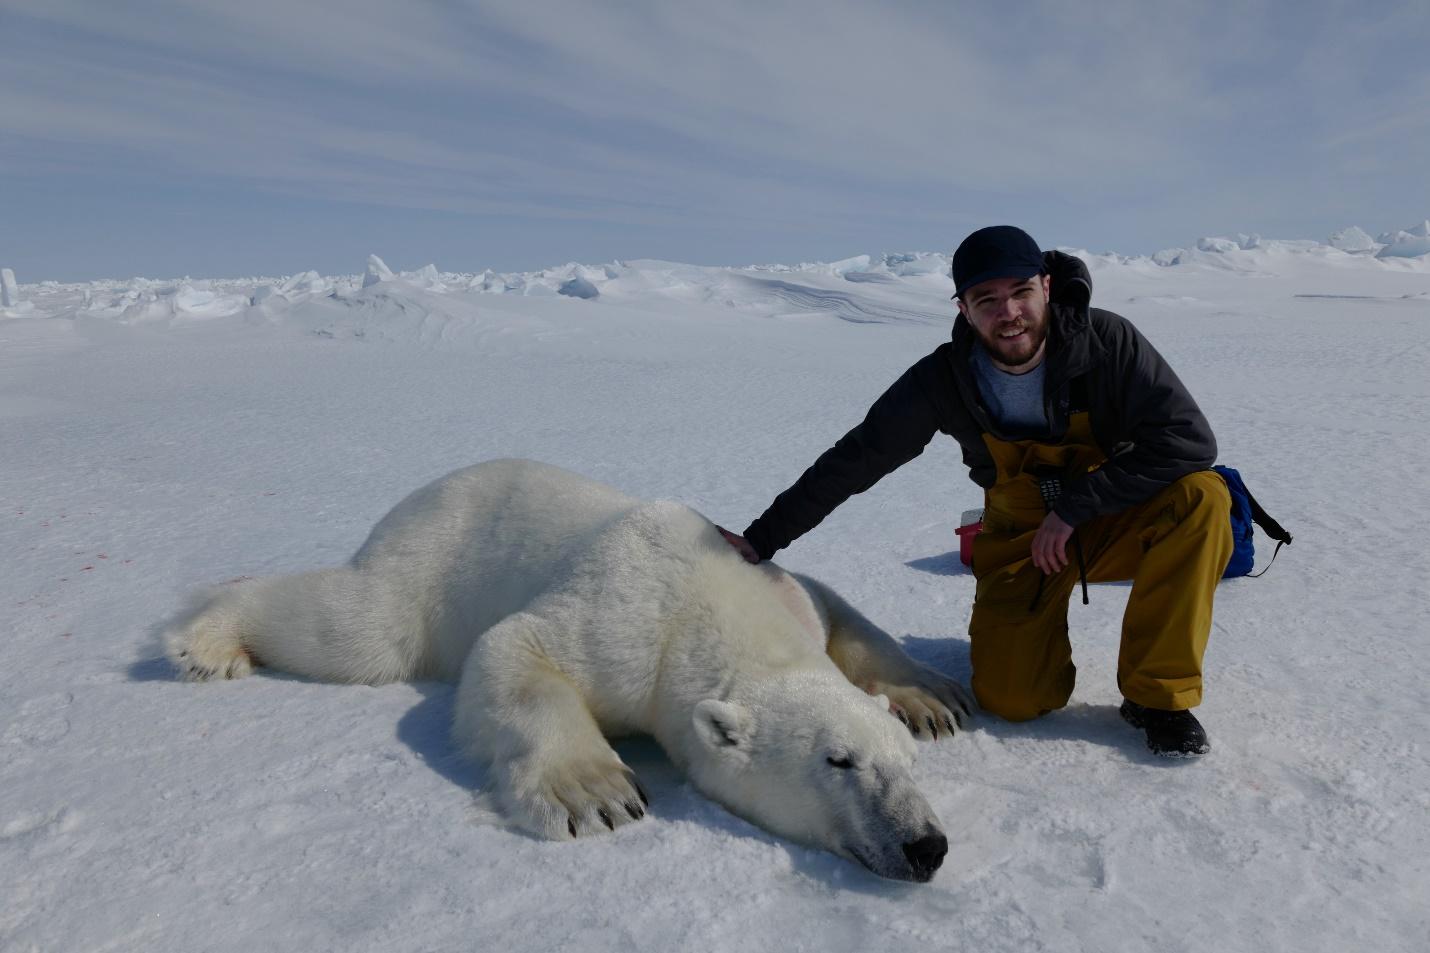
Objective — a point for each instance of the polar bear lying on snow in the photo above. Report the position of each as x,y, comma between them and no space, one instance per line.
566,612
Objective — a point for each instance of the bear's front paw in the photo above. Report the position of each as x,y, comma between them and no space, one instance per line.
930,705
577,799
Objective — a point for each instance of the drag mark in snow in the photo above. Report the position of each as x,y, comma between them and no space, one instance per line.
61,820
846,307
40,721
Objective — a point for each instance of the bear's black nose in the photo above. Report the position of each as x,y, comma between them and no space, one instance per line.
926,854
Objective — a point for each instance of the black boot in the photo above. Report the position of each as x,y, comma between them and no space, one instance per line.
1172,734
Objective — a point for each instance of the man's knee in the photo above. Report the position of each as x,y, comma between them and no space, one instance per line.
1204,489
1015,699
1009,709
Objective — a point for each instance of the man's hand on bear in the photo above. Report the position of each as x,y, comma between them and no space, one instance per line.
741,544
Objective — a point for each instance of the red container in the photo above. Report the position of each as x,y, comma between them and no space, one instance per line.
972,525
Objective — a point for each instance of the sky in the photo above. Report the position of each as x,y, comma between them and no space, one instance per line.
217,138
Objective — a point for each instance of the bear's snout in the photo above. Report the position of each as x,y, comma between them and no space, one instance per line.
925,855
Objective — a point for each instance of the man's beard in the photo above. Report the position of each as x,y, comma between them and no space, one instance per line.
1015,354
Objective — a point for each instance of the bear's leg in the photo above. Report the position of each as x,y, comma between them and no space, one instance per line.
929,703
337,624
553,771
206,640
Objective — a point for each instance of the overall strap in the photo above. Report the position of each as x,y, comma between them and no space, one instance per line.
1264,520
1271,528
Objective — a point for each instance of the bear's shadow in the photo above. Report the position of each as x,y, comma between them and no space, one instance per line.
947,656
151,668
426,728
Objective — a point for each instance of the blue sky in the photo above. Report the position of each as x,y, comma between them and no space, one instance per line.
220,138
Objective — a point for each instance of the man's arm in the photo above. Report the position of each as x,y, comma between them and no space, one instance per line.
896,429
1170,436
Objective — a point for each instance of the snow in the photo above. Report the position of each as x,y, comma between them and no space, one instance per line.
11,304
377,270
1217,245
1353,239
578,287
1406,243
163,435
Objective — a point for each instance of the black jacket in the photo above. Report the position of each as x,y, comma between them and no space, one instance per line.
1141,414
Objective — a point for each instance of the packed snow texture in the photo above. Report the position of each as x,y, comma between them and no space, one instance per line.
165,435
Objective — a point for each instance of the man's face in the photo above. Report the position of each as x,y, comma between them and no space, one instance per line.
1010,317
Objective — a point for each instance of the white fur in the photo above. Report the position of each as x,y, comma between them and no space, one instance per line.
568,612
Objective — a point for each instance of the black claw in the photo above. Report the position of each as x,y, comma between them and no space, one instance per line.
949,725
634,810
932,727
641,791
571,824
914,728
605,817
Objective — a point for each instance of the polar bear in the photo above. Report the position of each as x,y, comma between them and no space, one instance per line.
568,612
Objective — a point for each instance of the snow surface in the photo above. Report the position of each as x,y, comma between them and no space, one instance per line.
162,435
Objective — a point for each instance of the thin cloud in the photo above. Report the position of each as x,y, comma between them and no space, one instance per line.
846,87
679,116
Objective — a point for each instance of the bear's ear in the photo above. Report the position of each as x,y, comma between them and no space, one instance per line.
721,725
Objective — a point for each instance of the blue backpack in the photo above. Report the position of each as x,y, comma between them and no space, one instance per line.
1244,511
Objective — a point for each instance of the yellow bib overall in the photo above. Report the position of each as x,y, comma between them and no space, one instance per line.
1173,548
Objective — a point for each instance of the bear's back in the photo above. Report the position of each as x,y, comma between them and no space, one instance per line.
483,541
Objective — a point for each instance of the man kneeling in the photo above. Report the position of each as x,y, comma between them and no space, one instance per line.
1094,461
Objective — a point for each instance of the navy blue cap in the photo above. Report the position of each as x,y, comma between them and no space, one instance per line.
998,251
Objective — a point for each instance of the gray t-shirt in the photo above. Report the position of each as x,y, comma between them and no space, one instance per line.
1015,401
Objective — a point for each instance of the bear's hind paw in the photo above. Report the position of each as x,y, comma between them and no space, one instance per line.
203,666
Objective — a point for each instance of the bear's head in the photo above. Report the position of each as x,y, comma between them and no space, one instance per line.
808,756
